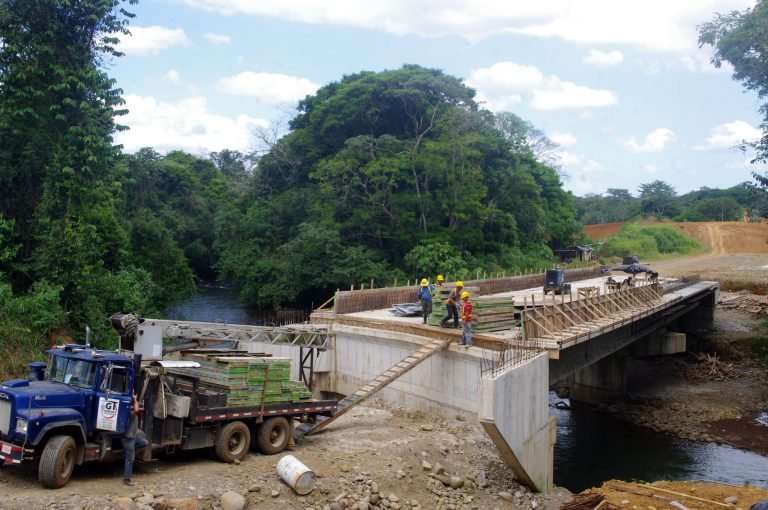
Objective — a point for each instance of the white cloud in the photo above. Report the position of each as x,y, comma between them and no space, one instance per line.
268,87
172,76
590,22
151,40
563,139
217,38
599,58
505,84
729,135
655,141
651,169
583,173
186,125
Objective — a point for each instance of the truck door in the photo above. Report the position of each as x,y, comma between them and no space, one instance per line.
113,398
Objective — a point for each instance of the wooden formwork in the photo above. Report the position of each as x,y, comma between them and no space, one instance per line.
563,322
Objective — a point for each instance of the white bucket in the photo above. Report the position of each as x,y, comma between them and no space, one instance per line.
298,476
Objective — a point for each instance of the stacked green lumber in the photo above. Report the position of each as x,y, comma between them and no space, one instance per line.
438,305
488,314
493,314
245,380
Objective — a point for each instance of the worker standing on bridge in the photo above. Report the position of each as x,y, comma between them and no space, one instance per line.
466,317
452,306
425,296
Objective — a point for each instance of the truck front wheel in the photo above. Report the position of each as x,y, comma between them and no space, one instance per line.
232,442
273,435
57,462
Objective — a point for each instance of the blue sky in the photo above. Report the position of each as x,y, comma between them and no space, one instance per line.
621,86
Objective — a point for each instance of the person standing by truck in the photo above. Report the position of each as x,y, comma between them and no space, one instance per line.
452,306
133,439
425,296
466,318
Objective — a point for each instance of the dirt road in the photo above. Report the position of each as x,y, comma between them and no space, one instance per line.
735,251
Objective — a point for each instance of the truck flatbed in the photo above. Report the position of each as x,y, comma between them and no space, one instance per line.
322,407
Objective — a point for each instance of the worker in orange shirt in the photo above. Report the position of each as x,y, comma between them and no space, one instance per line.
466,318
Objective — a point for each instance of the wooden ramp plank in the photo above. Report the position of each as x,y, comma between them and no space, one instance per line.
375,385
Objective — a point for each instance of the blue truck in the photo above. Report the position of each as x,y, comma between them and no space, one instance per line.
75,408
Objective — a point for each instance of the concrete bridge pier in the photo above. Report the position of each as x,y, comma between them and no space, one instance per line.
601,381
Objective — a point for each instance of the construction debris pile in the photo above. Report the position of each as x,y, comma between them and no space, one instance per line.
588,501
708,368
746,302
243,380
698,495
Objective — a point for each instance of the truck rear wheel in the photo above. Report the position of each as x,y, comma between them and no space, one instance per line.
273,435
57,462
232,442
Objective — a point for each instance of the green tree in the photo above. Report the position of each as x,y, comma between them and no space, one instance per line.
57,117
527,139
658,199
385,162
719,209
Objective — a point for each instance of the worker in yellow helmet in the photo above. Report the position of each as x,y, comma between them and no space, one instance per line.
425,296
452,306
466,318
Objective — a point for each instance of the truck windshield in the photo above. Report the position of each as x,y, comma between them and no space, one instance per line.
73,371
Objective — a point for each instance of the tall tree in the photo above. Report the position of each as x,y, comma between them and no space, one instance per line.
527,139
658,199
57,118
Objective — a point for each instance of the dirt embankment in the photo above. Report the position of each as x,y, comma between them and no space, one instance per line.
737,255
721,237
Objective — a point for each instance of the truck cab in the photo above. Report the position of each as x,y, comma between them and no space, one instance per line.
73,414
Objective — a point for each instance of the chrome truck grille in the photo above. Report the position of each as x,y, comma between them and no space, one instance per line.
5,416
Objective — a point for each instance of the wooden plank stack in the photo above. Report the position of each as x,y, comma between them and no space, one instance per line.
489,313
494,314
245,380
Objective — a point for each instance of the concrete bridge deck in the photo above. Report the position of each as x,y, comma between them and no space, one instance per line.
503,381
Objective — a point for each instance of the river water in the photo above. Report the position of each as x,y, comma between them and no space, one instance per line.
590,448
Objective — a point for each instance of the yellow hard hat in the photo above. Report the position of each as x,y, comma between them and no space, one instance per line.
464,295
439,278
424,281
459,284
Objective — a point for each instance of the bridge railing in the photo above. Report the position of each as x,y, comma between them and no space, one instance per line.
350,301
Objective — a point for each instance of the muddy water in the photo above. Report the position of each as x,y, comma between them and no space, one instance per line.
592,448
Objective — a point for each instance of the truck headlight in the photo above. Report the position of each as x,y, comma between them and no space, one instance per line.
21,426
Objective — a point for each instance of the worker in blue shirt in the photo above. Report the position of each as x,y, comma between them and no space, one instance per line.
425,296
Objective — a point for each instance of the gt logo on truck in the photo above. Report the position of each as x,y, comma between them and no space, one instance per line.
110,409
4,396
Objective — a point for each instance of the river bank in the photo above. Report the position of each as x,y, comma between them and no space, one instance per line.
719,395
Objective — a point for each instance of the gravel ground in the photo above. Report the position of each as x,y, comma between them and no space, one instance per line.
375,457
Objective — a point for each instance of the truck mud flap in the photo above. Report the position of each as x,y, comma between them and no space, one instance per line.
10,453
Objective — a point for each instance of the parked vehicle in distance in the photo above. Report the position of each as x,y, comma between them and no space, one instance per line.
554,280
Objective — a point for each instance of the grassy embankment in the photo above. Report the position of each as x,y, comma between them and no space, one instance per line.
27,325
649,242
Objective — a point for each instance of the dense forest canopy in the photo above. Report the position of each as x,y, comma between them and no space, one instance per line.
379,172
659,201
384,176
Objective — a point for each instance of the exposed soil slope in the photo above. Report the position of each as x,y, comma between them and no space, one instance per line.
722,237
